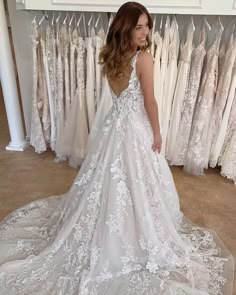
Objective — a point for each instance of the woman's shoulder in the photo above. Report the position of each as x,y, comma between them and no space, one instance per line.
144,63
144,56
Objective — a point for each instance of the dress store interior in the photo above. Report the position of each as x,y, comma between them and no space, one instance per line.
54,98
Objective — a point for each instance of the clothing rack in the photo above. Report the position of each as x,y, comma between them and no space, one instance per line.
21,25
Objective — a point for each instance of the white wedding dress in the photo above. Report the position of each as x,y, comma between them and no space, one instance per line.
119,230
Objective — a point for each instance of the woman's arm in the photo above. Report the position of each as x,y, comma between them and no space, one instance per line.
145,74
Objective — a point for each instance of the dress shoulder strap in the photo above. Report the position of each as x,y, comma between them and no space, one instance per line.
134,59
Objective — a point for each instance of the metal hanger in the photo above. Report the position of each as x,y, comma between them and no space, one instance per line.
72,18
58,17
78,24
35,17
45,16
65,19
154,23
218,20
53,19
98,19
176,23
85,29
109,24
221,25
161,23
206,23
192,22
91,19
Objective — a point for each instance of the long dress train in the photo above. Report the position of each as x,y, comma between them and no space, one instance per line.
119,230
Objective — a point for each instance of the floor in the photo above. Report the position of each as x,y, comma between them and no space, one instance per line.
209,201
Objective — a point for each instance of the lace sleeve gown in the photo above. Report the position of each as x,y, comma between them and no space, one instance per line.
119,229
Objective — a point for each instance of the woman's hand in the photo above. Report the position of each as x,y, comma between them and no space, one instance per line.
157,141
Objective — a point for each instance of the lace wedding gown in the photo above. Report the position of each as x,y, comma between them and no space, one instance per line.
37,139
189,100
179,92
197,155
169,88
119,230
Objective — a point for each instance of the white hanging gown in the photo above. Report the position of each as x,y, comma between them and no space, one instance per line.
60,100
231,126
73,140
157,70
65,43
48,61
90,79
217,145
222,93
153,45
46,120
228,162
183,134
169,87
99,42
180,88
164,64
37,139
73,43
198,149
119,230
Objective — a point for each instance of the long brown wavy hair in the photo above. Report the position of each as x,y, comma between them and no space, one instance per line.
115,56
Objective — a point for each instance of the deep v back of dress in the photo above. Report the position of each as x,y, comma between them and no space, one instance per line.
120,85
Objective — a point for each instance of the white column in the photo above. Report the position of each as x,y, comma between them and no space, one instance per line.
9,88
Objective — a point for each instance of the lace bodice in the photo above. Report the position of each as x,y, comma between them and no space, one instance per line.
130,99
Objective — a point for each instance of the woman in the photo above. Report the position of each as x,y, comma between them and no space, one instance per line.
119,229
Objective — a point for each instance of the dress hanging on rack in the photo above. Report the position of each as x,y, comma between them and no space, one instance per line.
47,51
157,69
60,109
228,163
37,139
222,91
74,136
180,89
99,41
90,79
65,57
218,146
229,133
73,36
221,58
153,45
169,87
189,101
164,64
46,120
198,148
